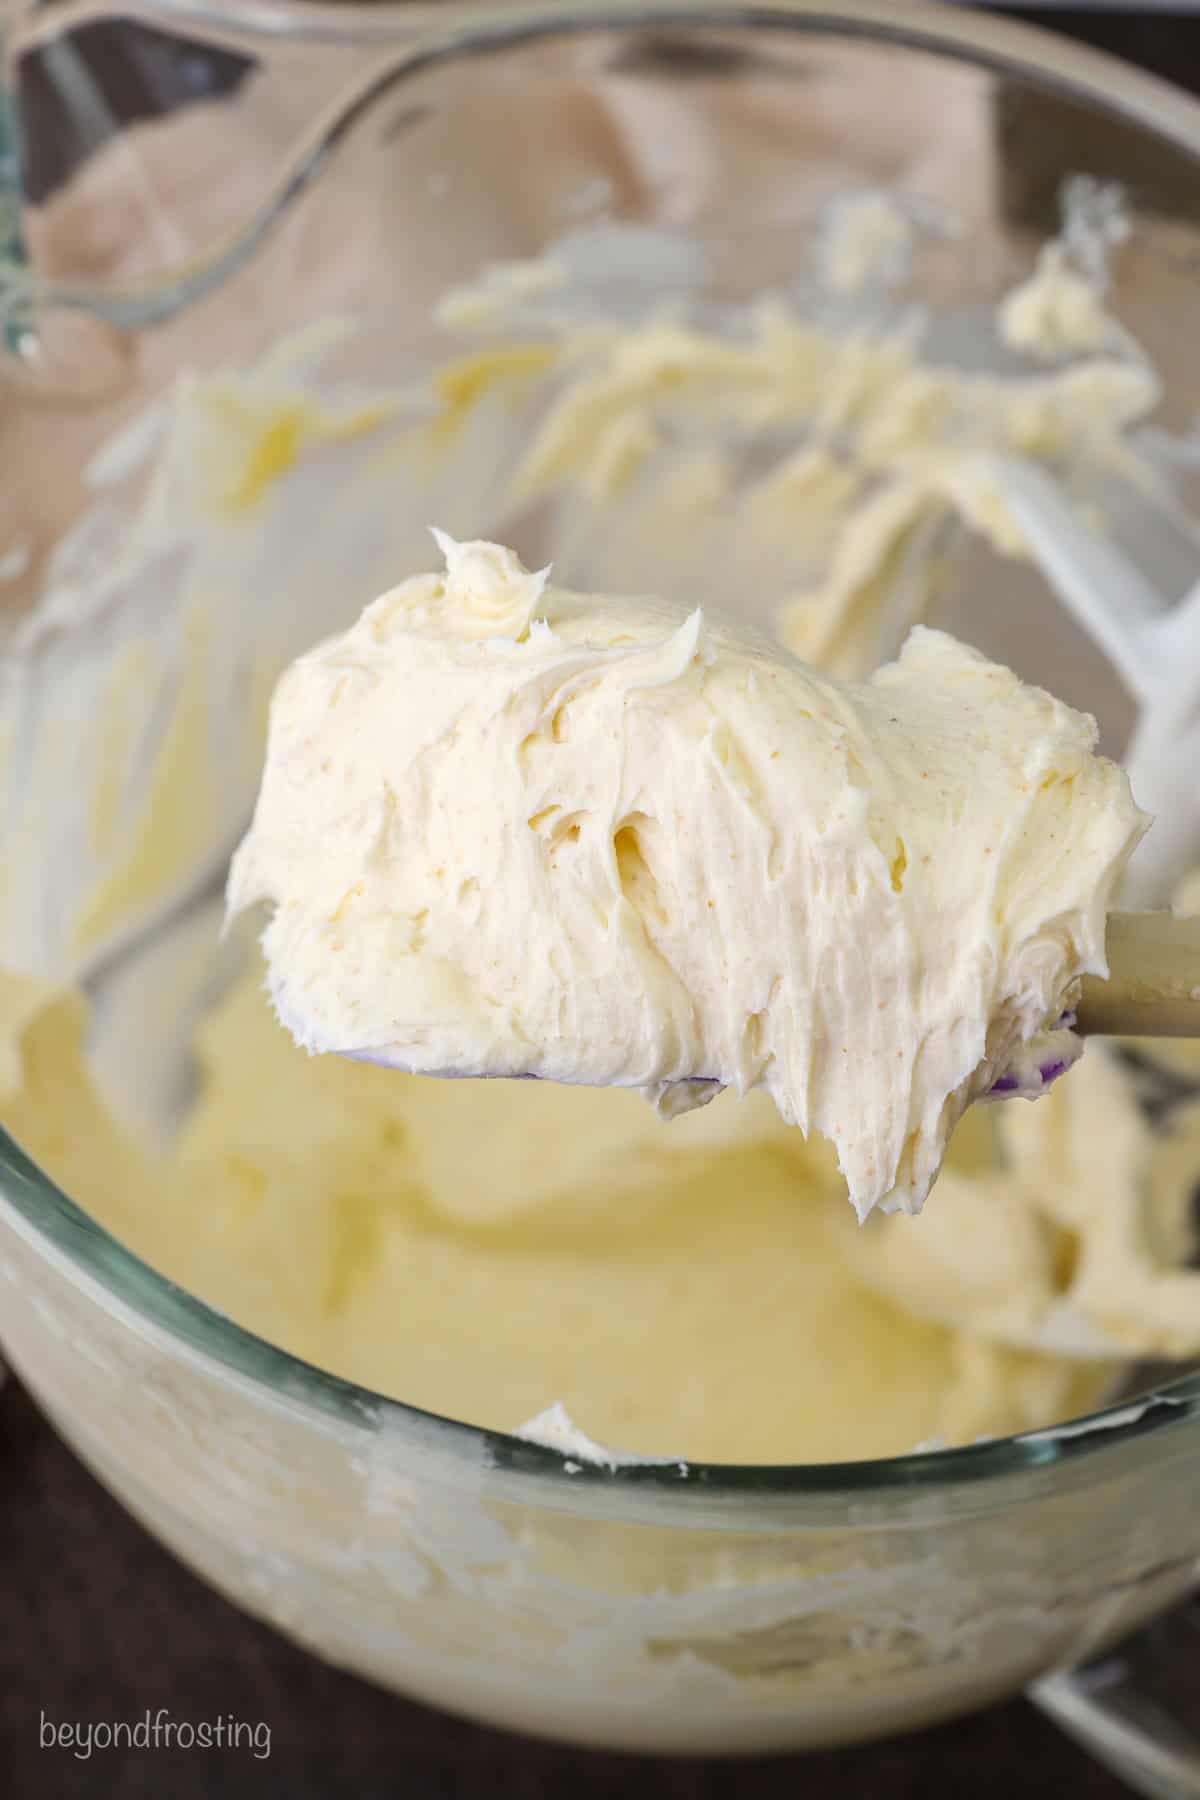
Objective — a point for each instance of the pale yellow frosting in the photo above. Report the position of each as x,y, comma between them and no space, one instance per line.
484,1248
1071,1232
506,829
694,1288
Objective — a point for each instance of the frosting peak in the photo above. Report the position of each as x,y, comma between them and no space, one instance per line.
486,592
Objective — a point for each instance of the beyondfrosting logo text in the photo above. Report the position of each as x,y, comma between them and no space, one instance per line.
154,1731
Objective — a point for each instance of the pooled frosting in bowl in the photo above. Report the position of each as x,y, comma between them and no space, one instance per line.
508,829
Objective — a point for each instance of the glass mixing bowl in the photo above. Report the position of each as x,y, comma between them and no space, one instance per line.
200,181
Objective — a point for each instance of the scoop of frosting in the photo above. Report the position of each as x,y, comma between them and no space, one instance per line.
507,829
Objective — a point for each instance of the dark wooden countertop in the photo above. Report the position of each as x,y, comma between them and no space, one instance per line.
98,1623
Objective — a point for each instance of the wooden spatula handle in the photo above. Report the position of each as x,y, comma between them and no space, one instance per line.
1153,988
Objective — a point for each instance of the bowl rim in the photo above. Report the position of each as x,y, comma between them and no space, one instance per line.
60,1229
